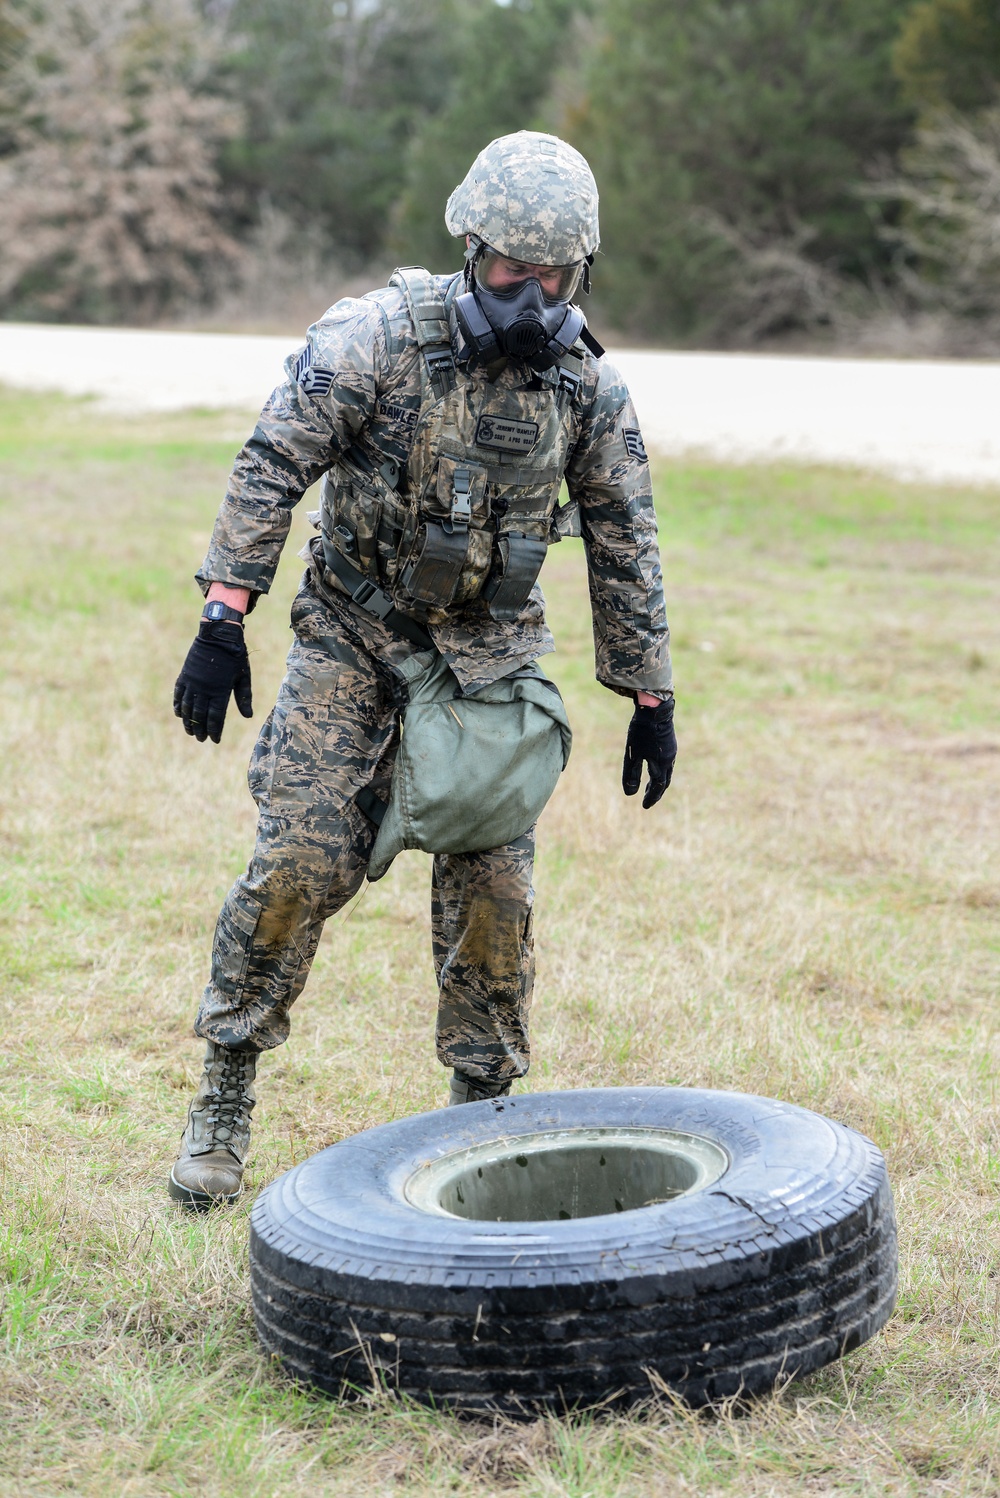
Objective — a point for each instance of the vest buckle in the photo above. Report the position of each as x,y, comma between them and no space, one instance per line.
461,502
372,599
440,366
569,382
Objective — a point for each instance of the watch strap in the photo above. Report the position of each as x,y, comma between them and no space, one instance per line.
218,612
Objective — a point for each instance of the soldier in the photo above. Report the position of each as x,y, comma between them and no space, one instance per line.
444,412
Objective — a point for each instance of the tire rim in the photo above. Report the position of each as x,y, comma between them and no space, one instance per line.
565,1174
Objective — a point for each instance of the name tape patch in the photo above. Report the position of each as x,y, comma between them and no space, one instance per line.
634,443
510,436
311,378
402,415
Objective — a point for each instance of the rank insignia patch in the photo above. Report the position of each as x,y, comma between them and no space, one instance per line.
311,378
634,443
510,436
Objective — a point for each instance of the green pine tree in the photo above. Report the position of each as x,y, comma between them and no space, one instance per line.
727,138
332,95
948,54
500,81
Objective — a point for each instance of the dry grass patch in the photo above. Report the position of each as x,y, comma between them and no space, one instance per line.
810,914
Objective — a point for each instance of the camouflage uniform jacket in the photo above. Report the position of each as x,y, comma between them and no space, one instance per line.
358,381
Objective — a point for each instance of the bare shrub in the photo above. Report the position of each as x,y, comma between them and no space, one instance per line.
772,286
947,230
286,278
940,213
108,191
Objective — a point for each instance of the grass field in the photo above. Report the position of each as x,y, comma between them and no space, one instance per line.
812,913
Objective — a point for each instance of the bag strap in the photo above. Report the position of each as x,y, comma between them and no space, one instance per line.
589,341
373,599
430,325
369,803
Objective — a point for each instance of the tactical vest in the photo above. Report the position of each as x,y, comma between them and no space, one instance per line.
479,503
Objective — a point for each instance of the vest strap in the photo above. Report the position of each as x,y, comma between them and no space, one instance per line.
430,325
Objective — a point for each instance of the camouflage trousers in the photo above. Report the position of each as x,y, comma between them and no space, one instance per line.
334,730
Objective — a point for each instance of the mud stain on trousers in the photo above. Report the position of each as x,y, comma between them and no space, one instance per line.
333,731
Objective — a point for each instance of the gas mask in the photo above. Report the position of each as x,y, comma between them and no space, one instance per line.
519,319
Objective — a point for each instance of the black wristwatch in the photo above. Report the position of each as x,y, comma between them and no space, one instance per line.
217,611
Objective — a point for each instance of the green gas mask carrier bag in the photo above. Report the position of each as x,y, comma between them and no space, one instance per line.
472,771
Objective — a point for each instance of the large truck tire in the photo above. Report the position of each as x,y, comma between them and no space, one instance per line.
560,1249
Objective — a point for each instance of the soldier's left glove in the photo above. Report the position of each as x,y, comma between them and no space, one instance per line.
651,740
217,665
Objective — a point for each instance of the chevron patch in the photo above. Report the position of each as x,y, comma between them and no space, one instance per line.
634,443
311,378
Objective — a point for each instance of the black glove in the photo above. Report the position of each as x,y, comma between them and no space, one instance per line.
651,738
216,665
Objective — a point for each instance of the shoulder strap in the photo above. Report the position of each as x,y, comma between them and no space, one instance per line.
430,325
571,366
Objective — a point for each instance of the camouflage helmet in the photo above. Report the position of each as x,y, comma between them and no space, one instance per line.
531,197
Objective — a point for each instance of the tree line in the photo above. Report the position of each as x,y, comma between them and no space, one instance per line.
768,168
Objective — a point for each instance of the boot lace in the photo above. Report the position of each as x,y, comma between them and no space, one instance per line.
228,1110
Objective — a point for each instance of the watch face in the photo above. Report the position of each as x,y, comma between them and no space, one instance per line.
215,610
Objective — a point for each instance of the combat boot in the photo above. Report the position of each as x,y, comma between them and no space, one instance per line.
466,1089
217,1137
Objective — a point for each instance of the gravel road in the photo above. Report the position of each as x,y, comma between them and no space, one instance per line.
915,419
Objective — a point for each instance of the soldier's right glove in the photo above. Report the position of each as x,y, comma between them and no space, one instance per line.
651,740
217,664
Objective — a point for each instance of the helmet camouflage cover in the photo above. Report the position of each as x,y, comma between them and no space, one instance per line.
530,196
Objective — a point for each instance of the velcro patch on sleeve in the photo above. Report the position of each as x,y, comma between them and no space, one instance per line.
510,436
311,378
634,443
